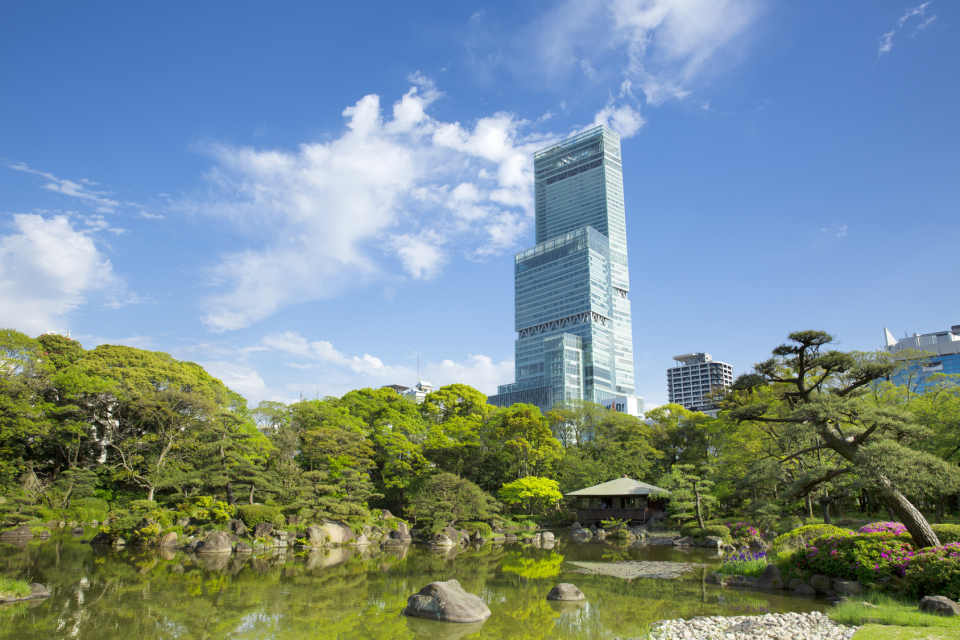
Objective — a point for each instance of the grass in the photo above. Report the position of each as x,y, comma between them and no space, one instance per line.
13,587
882,632
893,612
752,568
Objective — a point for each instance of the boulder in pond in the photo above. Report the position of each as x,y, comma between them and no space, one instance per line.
446,602
338,532
441,540
566,592
263,530
23,531
37,590
168,539
316,536
713,542
820,582
102,538
683,542
940,605
242,548
770,579
76,531
803,589
237,527
402,532
216,542
547,536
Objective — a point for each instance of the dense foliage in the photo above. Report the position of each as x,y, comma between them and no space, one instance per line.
123,433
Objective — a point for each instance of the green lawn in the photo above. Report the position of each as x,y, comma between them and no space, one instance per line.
893,618
885,632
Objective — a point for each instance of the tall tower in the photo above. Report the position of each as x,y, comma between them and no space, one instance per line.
572,313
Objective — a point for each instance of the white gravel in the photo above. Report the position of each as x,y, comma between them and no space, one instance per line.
773,626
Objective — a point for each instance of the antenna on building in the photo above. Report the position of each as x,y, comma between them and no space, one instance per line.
418,367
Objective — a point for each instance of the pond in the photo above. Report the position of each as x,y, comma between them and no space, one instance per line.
134,593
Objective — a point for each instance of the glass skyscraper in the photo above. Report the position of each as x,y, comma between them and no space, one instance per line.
572,289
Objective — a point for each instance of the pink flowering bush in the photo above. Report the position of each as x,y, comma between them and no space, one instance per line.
894,528
932,571
743,531
866,557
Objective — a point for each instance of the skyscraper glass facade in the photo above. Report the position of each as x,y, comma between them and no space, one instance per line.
572,289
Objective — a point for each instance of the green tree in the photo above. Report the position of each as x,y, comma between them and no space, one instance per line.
445,499
536,494
526,437
822,397
689,492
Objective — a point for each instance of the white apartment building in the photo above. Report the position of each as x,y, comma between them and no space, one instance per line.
690,383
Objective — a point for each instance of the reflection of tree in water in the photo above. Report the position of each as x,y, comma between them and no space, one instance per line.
533,568
135,593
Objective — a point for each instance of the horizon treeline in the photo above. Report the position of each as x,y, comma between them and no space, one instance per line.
809,428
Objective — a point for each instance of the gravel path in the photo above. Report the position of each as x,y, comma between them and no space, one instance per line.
773,626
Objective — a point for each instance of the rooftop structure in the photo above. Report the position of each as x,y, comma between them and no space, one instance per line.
943,348
572,307
416,393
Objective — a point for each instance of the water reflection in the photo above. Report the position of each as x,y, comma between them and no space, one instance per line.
134,593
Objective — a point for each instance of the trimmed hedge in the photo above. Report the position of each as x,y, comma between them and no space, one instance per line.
947,533
798,538
254,514
693,530
473,527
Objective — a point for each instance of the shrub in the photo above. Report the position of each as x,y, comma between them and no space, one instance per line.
79,514
693,530
932,571
894,528
866,557
473,527
743,531
92,504
254,514
142,506
798,538
947,533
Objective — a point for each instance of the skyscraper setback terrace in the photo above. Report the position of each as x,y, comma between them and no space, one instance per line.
572,313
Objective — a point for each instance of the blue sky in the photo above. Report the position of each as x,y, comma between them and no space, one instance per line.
310,197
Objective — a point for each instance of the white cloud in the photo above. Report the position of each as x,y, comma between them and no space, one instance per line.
663,47
886,40
73,189
404,185
624,119
478,371
47,269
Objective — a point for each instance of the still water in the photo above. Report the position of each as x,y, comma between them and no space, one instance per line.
135,593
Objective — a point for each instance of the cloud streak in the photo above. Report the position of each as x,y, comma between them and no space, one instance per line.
886,40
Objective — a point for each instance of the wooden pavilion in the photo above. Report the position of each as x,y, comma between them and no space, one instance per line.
623,499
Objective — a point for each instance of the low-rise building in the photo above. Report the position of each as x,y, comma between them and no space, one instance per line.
943,348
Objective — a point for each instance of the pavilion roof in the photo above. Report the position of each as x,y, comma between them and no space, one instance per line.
619,487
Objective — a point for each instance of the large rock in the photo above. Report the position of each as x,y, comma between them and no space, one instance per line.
820,582
939,605
102,538
547,536
338,532
37,590
803,589
770,579
442,540
23,531
237,527
794,583
216,542
242,548
169,539
756,544
294,520
566,592
316,536
402,532
714,578
447,602
713,542
847,587
385,514
263,530
452,533
682,542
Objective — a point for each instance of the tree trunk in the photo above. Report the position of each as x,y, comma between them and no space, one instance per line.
150,493
912,519
938,513
699,512
231,499
825,507
252,487
809,506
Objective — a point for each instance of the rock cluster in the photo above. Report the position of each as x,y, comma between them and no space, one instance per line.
835,589
773,626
